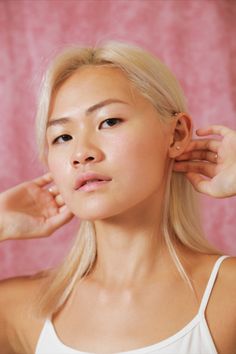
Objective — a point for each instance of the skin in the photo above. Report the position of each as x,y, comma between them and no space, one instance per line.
135,152
37,211
134,277
210,164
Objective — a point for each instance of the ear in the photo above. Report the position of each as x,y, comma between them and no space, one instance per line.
182,130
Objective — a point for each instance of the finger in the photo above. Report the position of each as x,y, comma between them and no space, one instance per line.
214,129
199,155
54,191
58,220
205,168
199,183
43,180
203,144
59,200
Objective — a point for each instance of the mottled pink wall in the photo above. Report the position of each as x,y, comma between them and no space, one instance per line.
195,38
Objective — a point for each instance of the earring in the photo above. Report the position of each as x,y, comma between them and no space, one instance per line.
178,147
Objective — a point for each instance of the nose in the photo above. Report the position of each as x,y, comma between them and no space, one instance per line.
85,154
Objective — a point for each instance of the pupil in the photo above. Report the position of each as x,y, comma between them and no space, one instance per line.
111,121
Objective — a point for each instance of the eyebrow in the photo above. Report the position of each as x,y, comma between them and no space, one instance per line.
64,120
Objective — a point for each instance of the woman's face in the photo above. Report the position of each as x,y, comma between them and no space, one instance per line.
100,123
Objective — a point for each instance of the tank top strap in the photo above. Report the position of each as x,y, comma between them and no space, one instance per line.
210,284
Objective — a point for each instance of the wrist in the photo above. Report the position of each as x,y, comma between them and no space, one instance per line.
5,227
2,231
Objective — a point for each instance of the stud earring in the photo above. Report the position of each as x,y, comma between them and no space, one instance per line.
178,147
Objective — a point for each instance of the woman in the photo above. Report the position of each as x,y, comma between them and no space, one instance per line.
111,122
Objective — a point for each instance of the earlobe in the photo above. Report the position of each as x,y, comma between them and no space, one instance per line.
181,134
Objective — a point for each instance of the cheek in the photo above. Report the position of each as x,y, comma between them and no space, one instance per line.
53,165
58,167
140,162
143,155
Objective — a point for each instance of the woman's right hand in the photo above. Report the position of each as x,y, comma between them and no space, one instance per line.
29,210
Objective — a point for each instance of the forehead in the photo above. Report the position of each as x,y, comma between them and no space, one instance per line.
99,76
92,84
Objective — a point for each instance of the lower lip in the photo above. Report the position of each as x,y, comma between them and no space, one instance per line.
91,186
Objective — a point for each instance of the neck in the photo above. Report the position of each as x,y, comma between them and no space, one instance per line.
130,248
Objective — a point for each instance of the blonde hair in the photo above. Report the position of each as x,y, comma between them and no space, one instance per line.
180,217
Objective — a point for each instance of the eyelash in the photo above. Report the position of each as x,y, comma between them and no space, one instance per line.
111,119
56,140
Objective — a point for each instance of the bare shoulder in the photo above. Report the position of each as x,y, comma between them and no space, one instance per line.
221,309
21,291
19,320
227,282
228,269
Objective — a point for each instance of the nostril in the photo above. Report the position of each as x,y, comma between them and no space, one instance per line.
75,163
90,158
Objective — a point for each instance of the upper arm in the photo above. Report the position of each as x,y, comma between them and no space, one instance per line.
9,290
16,313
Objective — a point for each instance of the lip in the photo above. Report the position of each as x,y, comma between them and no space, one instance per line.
80,183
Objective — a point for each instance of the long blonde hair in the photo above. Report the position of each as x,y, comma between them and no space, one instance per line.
180,217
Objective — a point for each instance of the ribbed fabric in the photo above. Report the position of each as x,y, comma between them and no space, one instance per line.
194,338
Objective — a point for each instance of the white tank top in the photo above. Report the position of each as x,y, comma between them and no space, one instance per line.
194,338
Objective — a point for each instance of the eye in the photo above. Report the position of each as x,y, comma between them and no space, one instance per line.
111,121
61,139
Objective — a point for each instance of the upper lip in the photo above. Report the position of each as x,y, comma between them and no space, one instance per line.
88,176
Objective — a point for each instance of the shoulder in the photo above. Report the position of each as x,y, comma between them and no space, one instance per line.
223,294
227,281
221,310
226,275
20,291
228,268
19,321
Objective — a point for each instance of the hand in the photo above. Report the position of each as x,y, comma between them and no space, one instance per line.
29,210
210,164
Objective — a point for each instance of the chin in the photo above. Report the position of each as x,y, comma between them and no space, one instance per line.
92,214
102,208
95,213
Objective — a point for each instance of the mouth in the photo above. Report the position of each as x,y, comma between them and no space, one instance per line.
90,181
92,185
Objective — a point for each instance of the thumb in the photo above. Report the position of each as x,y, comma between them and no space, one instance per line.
58,220
199,183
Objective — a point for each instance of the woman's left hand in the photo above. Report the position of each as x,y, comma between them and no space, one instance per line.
210,163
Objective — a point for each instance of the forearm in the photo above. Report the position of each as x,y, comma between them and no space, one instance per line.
3,229
8,226
3,223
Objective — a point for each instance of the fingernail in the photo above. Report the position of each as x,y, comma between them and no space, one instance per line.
63,208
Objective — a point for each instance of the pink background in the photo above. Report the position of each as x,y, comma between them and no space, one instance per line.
195,38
